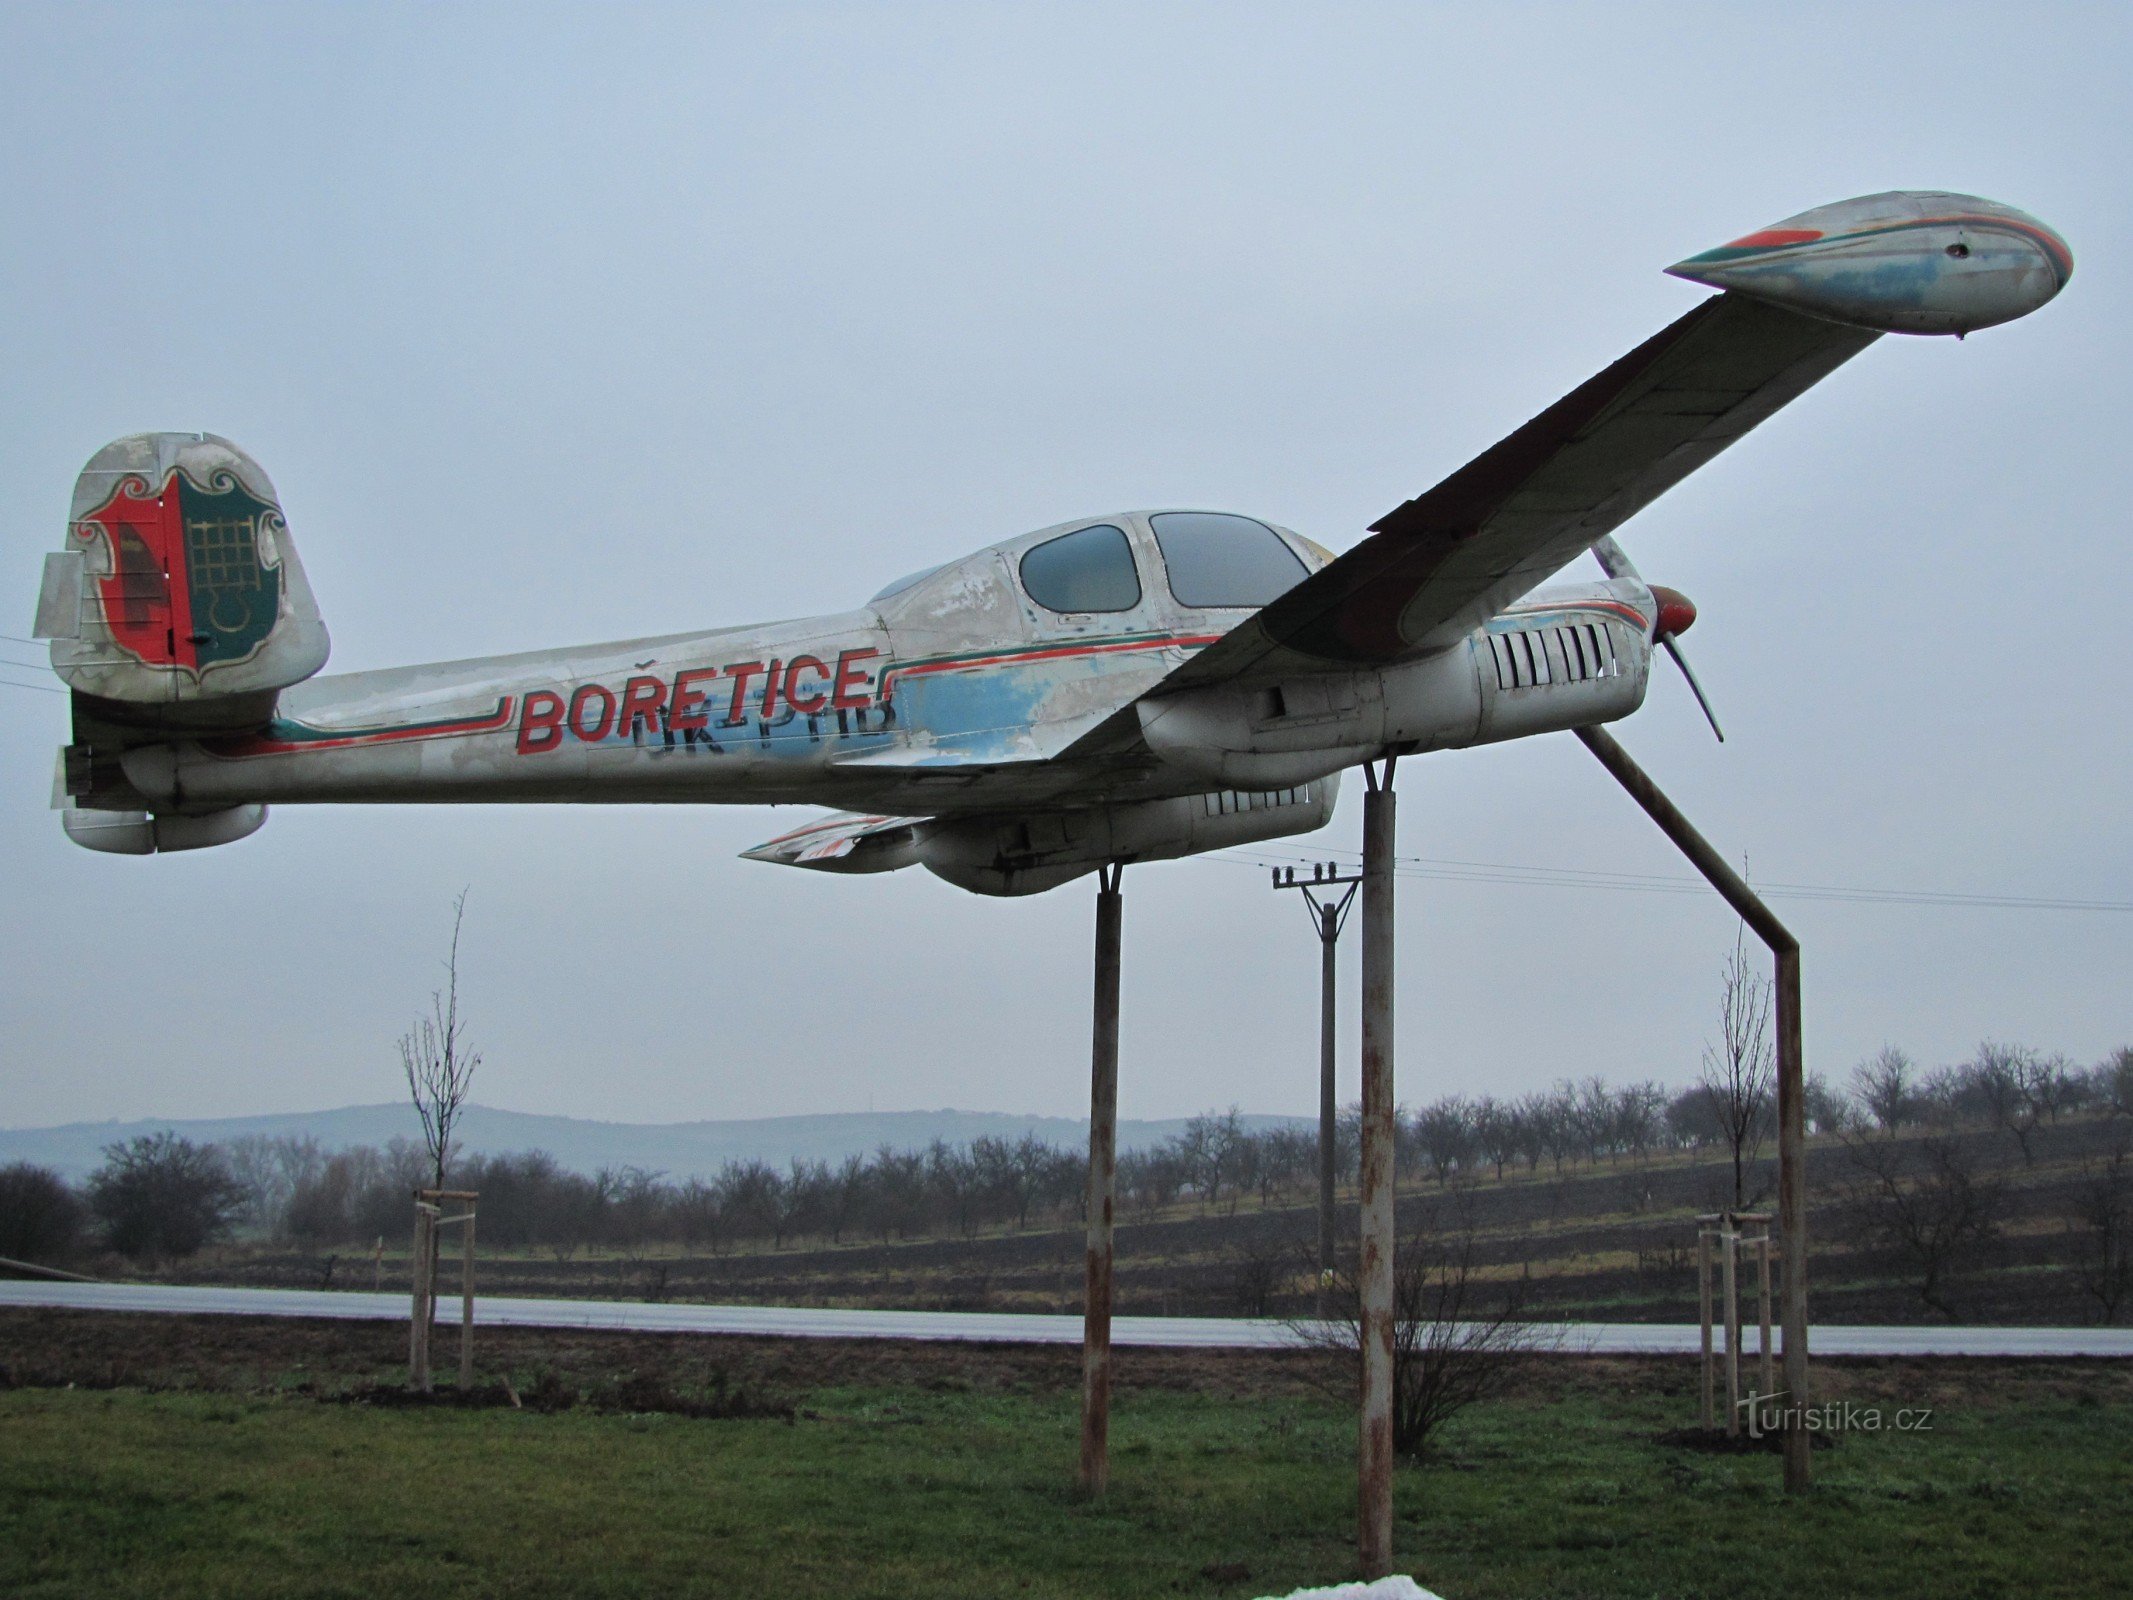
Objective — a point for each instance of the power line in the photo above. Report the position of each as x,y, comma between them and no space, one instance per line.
1445,871
35,688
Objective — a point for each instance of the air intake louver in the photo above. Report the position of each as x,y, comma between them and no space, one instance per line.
1575,652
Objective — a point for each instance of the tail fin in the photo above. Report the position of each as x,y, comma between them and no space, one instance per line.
177,607
179,585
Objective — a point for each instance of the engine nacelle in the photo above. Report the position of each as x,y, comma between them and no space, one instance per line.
1029,854
1538,669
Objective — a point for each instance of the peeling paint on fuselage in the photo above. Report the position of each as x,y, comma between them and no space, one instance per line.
901,706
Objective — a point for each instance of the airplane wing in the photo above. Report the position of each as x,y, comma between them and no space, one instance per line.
1443,563
1440,565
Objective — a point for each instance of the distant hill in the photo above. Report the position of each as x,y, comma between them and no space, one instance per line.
679,1149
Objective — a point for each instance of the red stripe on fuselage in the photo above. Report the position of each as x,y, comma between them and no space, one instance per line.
259,744
1044,653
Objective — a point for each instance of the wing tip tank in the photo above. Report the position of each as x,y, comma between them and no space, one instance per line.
1906,261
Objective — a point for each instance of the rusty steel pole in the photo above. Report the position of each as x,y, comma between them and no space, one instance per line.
1792,1112
1329,931
1373,1533
1095,1475
1792,1217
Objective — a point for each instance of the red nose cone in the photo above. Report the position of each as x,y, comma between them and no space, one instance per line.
1677,612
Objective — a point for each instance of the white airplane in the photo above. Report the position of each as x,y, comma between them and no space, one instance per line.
1119,688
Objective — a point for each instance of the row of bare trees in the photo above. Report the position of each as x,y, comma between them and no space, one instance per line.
292,1188
2006,1086
306,1195
1918,1186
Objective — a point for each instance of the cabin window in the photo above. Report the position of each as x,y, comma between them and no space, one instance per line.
1219,561
1090,569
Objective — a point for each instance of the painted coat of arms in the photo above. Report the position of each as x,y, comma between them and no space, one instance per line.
194,578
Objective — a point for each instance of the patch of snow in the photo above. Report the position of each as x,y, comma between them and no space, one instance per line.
1395,1588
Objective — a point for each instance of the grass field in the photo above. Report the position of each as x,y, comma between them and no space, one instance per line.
944,1473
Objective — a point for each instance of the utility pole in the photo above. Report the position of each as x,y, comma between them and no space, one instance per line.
1327,917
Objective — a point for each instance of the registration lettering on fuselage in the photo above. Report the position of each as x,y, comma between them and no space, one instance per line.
694,701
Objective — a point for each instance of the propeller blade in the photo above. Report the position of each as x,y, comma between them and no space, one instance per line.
1695,688
1613,559
1615,562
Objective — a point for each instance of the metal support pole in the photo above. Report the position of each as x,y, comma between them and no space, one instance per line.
1792,1217
1792,1114
1095,1473
1374,1431
1328,1142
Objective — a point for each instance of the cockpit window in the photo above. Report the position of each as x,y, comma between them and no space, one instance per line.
1216,560
1090,569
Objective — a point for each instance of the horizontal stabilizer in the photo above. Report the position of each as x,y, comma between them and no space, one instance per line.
136,833
845,841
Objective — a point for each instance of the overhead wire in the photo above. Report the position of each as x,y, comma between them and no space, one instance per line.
1500,872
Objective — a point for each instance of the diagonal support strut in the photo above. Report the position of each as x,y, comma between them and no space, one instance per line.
1792,1113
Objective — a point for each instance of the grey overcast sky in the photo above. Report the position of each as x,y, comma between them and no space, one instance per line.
562,324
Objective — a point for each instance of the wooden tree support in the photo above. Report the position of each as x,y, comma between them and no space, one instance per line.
429,1222
1733,1234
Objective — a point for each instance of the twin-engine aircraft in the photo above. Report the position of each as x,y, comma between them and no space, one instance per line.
1120,688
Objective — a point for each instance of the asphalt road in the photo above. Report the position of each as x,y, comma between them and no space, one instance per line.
808,1322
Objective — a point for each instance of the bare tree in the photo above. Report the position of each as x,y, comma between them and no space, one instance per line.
2103,1214
162,1197
1455,1341
1496,1131
440,1069
2113,1080
1640,1116
1929,1205
1445,1131
2011,1085
1886,1087
1828,1110
1740,1070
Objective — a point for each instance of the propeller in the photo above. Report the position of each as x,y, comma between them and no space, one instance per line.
1677,614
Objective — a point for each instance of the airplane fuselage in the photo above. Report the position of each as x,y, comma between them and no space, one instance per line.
897,706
